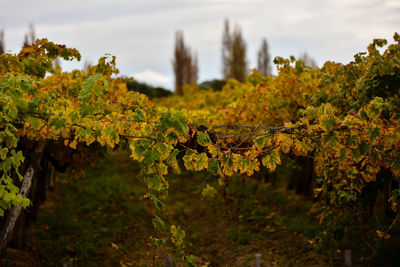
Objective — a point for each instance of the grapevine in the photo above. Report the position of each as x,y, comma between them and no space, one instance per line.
344,117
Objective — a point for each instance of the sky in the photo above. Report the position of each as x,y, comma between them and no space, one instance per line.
141,33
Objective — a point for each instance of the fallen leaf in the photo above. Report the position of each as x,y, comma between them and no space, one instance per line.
113,245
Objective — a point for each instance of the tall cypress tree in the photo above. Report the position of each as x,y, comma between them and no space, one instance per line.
185,65
2,46
234,63
264,59
30,37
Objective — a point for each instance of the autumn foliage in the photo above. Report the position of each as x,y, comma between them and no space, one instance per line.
344,117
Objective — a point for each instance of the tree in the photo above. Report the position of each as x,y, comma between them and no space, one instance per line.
144,88
179,62
56,63
215,85
30,37
308,61
226,50
239,63
194,70
190,70
234,54
264,59
86,66
2,46
185,66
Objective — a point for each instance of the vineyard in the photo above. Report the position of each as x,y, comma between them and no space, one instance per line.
329,133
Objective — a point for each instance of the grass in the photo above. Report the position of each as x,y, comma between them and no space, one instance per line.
89,217
102,220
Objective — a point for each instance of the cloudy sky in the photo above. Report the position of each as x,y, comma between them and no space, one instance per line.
141,33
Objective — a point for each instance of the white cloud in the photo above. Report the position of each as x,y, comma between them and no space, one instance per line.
153,78
141,33
393,3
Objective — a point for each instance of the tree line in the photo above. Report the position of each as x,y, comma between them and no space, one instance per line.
29,38
234,61
185,62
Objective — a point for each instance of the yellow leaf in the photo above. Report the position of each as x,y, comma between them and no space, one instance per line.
382,234
271,160
73,144
284,142
208,192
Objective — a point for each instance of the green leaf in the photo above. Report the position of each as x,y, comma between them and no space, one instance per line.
331,139
139,116
151,157
394,163
18,158
261,142
195,162
12,112
34,103
364,148
248,166
58,123
213,166
33,121
8,197
11,140
189,260
86,110
158,242
25,203
157,202
155,182
171,160
18,199
373,133
203,139
5,165
158,223
3,153
328,123
352,140
163,150
98,90
364,114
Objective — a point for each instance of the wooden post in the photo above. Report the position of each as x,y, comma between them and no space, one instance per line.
258,260
15,212
168,261
347,258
